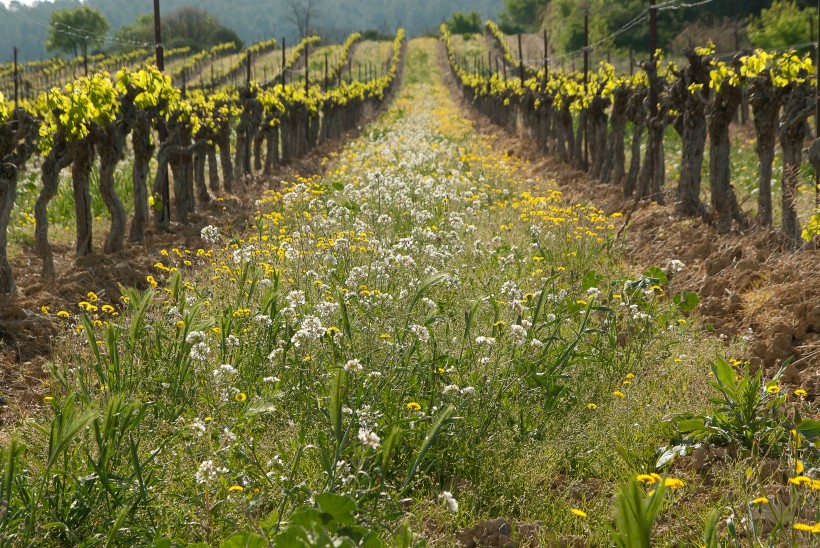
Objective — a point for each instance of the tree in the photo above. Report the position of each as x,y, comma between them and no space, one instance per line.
74,30
520,15
195,27
303,13
138,31
464,23
784,24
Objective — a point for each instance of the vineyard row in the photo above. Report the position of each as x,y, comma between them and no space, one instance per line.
582,118
189,135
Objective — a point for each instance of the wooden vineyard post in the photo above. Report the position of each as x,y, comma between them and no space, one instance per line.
307,67
16,79
165,189
248,76
817,102
546,59
586,84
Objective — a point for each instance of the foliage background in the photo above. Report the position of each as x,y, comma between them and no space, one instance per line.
26,26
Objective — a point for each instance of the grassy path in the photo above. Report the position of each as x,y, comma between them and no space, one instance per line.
419,331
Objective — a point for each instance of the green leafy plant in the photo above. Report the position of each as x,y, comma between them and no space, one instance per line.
748,413
635,514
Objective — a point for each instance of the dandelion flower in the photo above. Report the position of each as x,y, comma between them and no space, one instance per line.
592,406
800,393
648,479
235,488
673,483
579,513
63,314
806,528
760,500
240,396
774,389
413,406
619,394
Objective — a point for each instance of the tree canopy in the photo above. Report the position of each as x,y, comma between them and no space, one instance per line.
187,26
464,23
782,25
74,30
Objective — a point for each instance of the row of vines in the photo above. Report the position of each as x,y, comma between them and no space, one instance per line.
585,121
37,76
192,137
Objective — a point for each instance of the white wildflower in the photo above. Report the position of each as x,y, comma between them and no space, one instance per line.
195,337
353,366
519,334
420,332
369,438
206,472
210,234
449,501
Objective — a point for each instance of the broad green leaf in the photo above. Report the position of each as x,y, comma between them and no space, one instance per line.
657,274
724,373
686,300
338,506
245,540
809,428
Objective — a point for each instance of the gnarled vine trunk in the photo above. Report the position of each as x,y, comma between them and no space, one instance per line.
693,91
8,193
793,131
272,154
651,175
213,169
721,113
80,175
110,142
59,157
637,115
17,144
598,123
765,102
143,145
613,167
224,143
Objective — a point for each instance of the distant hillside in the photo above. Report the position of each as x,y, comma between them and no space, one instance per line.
25,27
